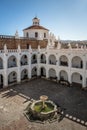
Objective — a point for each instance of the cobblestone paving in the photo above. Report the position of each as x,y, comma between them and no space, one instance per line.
14,100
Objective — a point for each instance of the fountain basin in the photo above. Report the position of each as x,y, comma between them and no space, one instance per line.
39,113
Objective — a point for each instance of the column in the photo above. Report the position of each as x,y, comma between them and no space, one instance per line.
18,66
84,72
47,68
29,62
5,77
38,62
69,72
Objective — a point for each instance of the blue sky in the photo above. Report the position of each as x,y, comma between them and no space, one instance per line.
66,18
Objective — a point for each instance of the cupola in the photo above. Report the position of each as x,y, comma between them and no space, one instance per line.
36,21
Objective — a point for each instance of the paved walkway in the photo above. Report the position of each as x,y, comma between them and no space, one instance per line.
14,100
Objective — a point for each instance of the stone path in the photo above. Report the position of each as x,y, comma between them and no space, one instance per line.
14,100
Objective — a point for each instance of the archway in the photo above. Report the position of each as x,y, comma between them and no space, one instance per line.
1,81
24,74
33,59
52,73
52,59
63,75
34,72
24,60
1,63
63,60
12,77
43,71
77,62
77,78
43,59
12,62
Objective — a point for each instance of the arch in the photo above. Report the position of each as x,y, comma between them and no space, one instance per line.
36,34
34,72
1,63
76,78
24,60
52,59
1,81
63,75
77,62
12,61
27,34
12,77
43,71
24,74
34,59
43,59
63,60
52,73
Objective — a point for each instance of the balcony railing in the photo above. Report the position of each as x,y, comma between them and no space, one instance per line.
25,63
34,61
62,63
76,66
42,61
52,63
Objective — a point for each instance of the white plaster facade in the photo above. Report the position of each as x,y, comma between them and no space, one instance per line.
57,63
73,71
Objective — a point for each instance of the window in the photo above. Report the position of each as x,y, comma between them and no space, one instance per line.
25,56
34,56
27,46
14,59
44,35
27,34
41,56
14,74
36,34
80,77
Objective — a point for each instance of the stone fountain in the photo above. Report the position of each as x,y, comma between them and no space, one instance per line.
42,109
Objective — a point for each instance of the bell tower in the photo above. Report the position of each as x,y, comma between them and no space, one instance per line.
36,21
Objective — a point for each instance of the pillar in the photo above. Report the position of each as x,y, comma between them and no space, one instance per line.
5,76
84,72
18,65
29,62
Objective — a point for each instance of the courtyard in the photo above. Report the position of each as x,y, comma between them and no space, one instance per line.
14,100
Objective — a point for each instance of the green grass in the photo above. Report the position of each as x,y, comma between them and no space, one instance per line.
38,107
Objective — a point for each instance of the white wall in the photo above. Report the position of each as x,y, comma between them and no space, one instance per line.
31,33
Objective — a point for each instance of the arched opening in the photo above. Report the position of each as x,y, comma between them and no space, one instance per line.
52,60
43,59
34,59
34,72
63,61
36,34
12,77
43,71
12,62
77,62
1,81
24,74
63,75
77,79
27,34
24,60
1,63
52,74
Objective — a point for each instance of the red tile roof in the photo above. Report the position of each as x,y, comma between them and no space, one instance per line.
36,27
